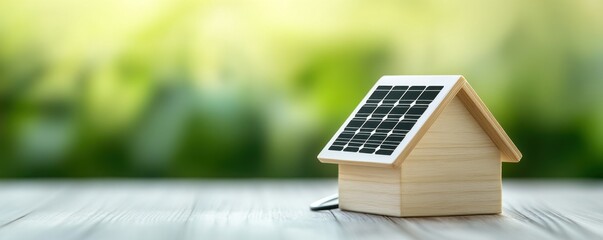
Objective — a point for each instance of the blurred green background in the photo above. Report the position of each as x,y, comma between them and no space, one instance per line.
158,88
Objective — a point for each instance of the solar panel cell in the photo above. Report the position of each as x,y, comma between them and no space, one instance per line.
393,96
398,111
416,88
400,88
351,149
377,137
436,88
410,96
379,94
367,109
384,152
416,110
383,110
356,123
367,150
370,125
428,95
386,126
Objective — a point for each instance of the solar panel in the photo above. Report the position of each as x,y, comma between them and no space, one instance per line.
385,118
389,119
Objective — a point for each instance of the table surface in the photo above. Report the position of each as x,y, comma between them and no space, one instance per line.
269,209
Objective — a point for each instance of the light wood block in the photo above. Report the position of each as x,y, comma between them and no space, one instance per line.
369,189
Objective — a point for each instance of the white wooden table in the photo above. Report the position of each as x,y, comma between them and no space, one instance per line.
276,209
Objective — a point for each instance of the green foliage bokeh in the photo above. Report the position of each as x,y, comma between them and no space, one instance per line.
256,88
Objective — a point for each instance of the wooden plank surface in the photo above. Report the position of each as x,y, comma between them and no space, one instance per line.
276,209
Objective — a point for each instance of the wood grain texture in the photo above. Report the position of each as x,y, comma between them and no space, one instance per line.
454,170
277,209
370,189
480,112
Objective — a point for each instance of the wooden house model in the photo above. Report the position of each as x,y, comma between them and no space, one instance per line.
420,146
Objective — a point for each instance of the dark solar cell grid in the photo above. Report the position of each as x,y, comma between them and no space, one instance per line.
383,121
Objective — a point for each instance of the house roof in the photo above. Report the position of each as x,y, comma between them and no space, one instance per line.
454,85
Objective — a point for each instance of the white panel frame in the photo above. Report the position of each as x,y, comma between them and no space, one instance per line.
447,81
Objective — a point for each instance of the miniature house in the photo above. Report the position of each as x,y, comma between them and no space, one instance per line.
420,146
